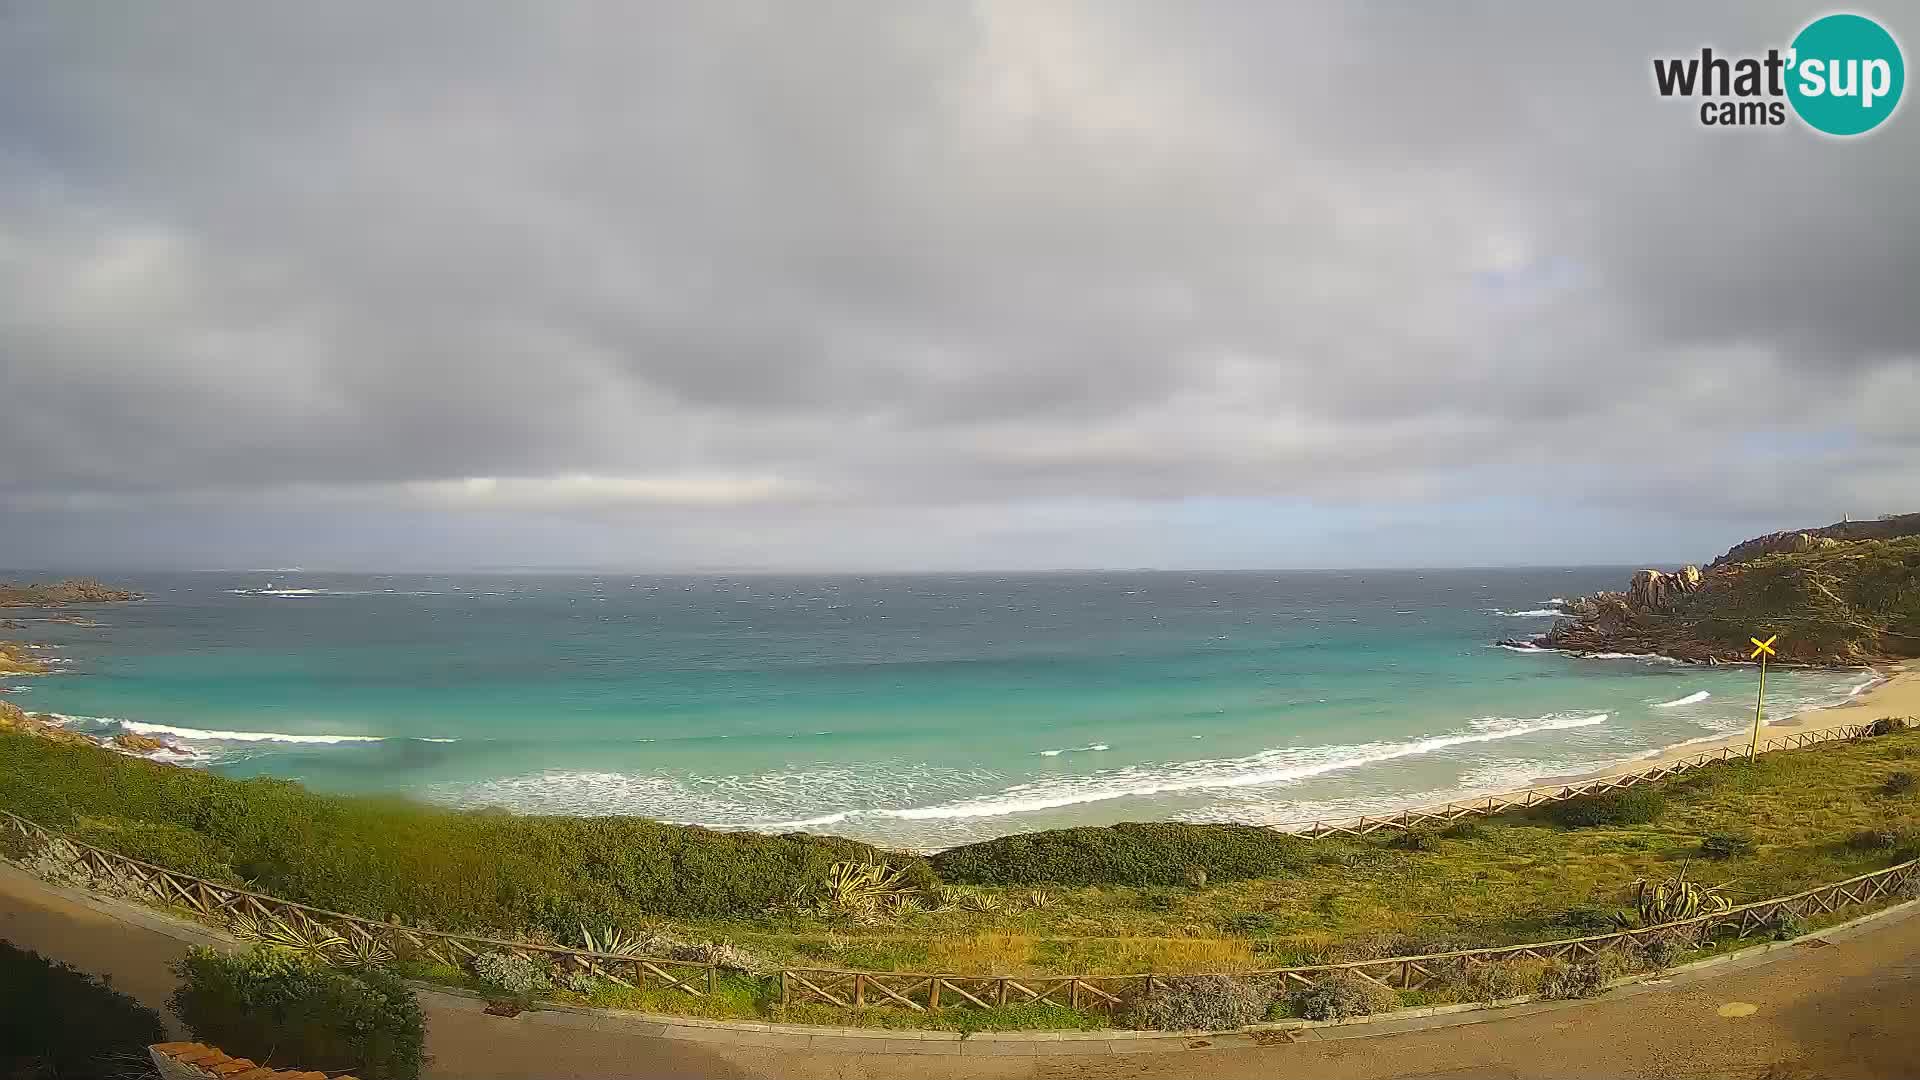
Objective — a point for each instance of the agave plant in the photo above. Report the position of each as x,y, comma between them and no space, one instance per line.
1041,899
611,940
1659,902
299,935
901,905
983,902
860,889
362,953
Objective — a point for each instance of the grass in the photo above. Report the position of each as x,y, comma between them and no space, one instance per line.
1513,878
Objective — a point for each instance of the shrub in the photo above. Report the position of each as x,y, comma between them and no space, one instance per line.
1725,846
1497,980
66,1024
1204,1003
1785,925
1586,919
1660,953
1340,997
1874,840
1585,979
1248,923
1415,840
1140,854
511,974
1634,806
1899,783
1465,829
286,1011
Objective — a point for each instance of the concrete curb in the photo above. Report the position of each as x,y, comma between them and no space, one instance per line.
799,1037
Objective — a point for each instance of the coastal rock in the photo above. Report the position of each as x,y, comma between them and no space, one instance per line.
1651,590
74,620
70,591
17,721
17,659
1848,594
143,744
12,624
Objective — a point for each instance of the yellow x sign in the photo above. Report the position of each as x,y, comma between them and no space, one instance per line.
1762,647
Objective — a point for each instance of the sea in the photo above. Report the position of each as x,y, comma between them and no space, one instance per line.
915,711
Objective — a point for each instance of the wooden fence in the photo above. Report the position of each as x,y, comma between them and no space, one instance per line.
866,989
241,911
238,910
1484,805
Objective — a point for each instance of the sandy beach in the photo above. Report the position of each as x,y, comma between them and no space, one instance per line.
1898,695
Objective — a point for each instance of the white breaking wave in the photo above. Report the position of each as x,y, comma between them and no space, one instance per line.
202,735
1534,613
1696,696
1267,767
1078,749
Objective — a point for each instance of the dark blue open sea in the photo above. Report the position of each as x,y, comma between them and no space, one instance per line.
913,710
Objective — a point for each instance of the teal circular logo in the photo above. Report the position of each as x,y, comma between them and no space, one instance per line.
1846,74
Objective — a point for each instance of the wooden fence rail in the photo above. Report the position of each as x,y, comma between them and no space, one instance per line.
919,991
240,910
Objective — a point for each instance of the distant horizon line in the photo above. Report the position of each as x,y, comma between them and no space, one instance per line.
571,571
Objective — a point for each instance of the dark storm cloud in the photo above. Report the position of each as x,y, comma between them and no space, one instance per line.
750,269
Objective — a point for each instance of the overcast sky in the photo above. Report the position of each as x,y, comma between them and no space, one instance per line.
913,285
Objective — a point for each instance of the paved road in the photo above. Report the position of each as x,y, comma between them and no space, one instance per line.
1840,1011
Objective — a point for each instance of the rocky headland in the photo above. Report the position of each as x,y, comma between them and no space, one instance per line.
1846,594
60,593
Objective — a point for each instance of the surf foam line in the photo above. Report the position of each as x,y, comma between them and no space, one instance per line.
204,735
1690,699
1268,767
1535,613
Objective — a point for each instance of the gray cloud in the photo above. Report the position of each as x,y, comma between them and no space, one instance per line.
747,277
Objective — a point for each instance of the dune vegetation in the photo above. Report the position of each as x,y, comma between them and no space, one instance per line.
1164,897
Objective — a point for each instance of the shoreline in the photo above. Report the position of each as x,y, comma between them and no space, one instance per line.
1895,693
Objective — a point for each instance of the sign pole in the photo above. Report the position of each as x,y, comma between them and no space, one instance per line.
1761,650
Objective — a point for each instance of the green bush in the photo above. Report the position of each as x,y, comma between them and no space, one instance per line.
1584,979
1339,997
1587,920
1415,840
1874,840
1899,783
1204,1003
64,1024
288,1012
1464,829
1249,923
376,857
1633,806
1725,846
1141,854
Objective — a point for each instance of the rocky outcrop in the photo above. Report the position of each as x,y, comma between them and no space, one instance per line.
70,591
140,744
17,659
1651,590
17,721
1798,541
1834,600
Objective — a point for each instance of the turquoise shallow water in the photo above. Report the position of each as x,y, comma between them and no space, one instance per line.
912,710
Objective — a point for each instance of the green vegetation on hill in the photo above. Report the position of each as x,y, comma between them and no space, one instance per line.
1079,900
380,857
1847,601
1832,601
